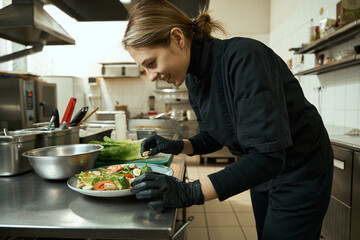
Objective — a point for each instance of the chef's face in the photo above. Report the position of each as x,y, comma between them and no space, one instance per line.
168,64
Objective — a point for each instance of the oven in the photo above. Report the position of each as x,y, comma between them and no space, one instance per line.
24,102
46,100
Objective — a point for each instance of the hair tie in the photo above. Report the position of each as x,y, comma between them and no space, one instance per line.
193,27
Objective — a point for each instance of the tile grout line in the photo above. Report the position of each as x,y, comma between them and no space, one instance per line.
206,222
242,230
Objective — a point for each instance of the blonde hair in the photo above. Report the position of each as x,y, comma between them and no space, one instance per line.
151,21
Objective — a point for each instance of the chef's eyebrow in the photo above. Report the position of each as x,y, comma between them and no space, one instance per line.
146,60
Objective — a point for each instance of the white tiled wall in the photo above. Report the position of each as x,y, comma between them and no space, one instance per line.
335,94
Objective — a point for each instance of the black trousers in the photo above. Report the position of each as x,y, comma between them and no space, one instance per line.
292,211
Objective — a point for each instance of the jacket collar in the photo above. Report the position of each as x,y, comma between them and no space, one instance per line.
200,57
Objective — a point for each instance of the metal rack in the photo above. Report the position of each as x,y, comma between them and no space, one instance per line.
346,33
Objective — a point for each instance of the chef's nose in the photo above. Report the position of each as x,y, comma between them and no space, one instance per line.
152,75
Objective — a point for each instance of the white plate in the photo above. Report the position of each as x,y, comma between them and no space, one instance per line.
118,193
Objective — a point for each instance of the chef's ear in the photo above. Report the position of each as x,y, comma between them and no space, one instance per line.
178,36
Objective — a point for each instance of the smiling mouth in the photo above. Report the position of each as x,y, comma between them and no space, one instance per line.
166,78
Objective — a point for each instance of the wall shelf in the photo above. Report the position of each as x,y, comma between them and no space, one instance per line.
344,63
341,35
170,90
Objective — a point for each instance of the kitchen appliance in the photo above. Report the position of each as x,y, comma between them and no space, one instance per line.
25,102
46,100
18,106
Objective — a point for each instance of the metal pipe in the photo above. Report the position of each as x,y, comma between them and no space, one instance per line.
37,47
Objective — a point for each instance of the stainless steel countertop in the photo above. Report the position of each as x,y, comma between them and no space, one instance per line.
338,136
34,207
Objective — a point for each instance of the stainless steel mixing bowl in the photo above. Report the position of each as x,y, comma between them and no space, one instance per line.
62,162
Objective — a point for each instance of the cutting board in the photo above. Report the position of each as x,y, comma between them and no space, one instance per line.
161,158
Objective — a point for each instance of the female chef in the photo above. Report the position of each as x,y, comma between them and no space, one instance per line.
245,98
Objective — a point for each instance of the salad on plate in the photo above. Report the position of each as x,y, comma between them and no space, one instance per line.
111,178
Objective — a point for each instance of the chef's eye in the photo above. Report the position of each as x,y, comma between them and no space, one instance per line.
151,64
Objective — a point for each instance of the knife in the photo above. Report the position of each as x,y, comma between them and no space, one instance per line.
79,116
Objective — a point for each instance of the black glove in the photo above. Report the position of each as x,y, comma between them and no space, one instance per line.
157,144
167,191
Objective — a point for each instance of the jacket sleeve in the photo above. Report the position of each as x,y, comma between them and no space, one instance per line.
203,142
250,171
262,124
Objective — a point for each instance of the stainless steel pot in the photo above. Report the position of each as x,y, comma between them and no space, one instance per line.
73,137
50,137
11,148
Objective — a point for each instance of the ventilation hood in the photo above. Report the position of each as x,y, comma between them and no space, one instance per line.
24,21
190,7
27,23
117,10
93,10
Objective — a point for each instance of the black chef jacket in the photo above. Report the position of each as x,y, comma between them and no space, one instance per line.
245,98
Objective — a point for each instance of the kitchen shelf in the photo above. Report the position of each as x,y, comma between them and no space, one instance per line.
182,101
170,90
344,63
341,35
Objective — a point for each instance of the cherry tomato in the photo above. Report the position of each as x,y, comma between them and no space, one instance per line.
100,185
128,175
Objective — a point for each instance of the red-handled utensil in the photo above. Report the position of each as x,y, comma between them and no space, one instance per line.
69,111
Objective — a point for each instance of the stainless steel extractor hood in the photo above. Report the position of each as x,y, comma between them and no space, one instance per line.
93,10
190,7
117,10
24,20
27,23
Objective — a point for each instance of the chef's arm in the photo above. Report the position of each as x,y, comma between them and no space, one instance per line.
251,170
188,149
207,187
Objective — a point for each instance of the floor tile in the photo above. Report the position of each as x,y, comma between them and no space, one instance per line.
246,219
228,233
195,209
250,233
227,219
217,206
244,196
241,206
199,219
197,233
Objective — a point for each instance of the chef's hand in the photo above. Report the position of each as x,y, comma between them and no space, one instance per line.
156,144
167,191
